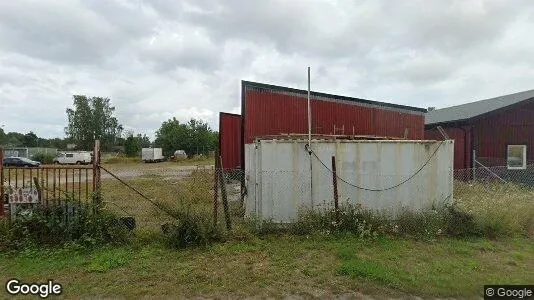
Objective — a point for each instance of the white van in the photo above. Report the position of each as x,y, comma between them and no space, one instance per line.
78,158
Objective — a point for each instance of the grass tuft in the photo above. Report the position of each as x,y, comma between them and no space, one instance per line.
109,259
361,268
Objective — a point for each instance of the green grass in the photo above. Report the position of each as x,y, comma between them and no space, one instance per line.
108,259
317,266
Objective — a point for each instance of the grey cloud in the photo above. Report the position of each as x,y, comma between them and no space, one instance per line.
343,28
186,49
65,32
163,58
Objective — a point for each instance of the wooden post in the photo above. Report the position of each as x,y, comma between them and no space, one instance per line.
216,188
96,175
334,182
1,181
224,196
38,187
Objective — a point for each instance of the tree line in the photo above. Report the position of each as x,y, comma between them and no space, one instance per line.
92,118
30,139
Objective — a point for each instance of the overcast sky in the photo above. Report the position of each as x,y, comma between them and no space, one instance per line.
163,58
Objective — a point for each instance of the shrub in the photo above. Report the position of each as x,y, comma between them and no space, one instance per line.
267,227
350,219
191,227
60,224
6,235
44,158
364,223
460,223
424,224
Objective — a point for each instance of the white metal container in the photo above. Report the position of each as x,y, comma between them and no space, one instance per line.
385,175
152,154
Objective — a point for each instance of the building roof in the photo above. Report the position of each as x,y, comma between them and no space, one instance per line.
470,110
324,96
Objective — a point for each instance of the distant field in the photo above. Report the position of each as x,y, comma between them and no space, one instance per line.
129,163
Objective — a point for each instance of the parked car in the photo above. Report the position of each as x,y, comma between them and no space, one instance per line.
20,162
78,158
179,154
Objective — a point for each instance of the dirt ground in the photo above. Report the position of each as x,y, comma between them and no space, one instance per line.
73,174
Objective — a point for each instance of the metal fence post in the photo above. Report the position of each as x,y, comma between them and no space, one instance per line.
216,188
334,182
1,181
96,175
473,165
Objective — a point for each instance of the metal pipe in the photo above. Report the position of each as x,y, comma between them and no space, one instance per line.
473,162
334,183
1,181
309,111
309,138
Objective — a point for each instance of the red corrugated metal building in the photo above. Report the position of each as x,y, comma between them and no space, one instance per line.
273,110
230,140
500,131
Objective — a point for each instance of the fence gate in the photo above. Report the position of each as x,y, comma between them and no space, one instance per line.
46,185
23,187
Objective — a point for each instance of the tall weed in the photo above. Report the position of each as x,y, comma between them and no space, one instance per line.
500,209
192,226
57,225
364,223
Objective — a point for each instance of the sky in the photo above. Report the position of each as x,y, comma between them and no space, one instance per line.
158,59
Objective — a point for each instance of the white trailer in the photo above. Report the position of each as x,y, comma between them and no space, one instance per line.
152,155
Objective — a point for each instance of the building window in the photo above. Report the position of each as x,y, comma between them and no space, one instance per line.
517,157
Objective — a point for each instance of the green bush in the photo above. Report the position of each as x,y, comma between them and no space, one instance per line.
349,218
61,224
267,227
192,226
44,158
460,223
364,223
423,224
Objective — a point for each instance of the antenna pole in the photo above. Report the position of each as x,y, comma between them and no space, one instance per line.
309,111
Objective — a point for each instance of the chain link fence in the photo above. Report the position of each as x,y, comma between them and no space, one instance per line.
147,196
144,194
